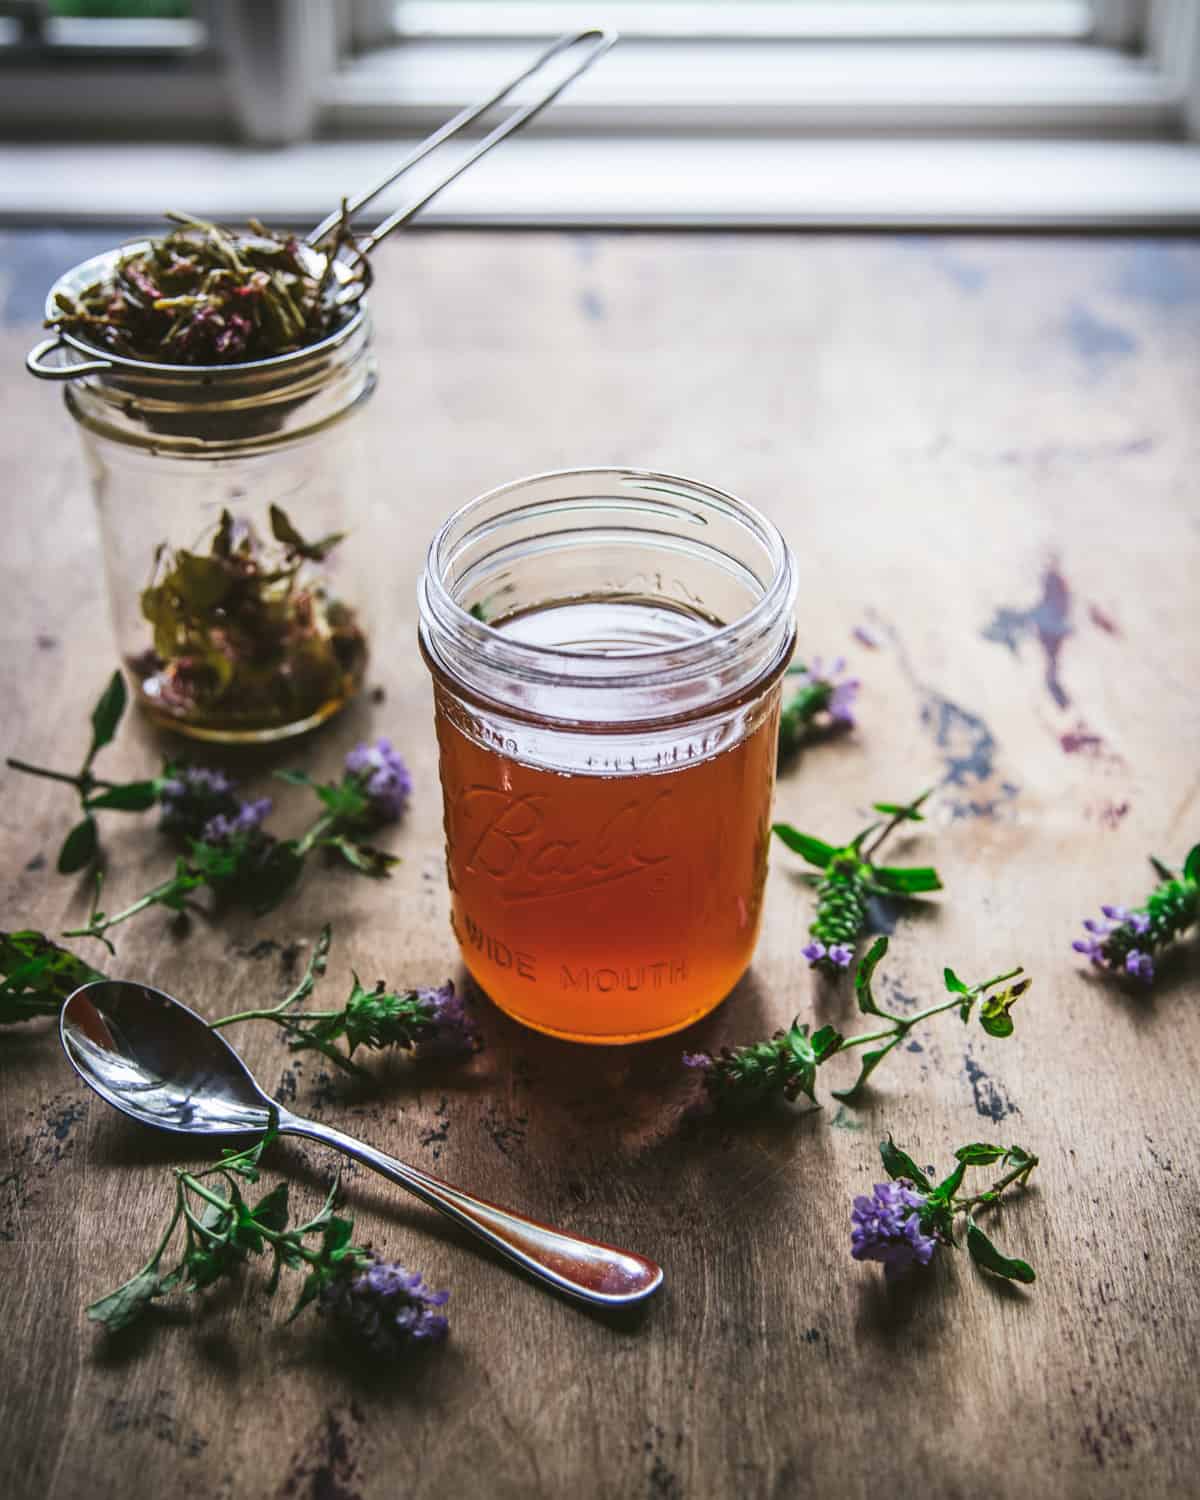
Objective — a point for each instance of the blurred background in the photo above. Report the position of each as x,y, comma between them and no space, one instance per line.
1042,113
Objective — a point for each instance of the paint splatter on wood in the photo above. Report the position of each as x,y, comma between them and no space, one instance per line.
1048,622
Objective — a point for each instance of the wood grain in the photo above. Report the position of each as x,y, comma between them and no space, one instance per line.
984,452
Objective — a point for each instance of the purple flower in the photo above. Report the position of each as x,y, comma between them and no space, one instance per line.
452,1032
387,1308
1120,942
840,954
814,952
887,1227
247,818
842,694
191,796
697,1060
384,778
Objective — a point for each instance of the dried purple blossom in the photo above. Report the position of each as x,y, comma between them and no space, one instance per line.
819,691
448,1030
248,817
887,1228
383,777
386,1308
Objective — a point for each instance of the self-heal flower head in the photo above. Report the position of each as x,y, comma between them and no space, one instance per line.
191,796
1127,940
841,693
887,1227
249,816
449,1030
385,1308
384,778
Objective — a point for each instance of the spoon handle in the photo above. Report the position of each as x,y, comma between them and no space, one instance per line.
582,1268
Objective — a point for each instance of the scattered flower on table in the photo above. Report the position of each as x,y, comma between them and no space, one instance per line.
742,1079
821,693
386,1308
850,878
383,776
1127,940
905,1219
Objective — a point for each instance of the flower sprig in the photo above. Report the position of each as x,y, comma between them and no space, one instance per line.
379,1303
906,1219
851,877
36,976
739,1080
822,694
241,862
431,1023
1127,941
82,844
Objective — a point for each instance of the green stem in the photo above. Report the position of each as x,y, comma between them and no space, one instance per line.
317,832
77,781
151,898
896,820
273,1237
965,1205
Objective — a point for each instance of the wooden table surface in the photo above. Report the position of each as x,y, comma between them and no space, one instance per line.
984,452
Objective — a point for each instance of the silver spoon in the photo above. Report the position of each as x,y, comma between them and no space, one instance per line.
158,1062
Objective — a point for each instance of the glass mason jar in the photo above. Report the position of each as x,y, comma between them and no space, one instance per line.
233,523
607,647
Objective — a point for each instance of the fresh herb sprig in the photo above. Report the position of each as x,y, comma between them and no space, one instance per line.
379,1302
1128,941
36,976
851,877
433,1023
906,1219
739,1080
231,854
822,695
82,844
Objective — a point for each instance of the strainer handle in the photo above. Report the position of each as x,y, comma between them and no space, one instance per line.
33,362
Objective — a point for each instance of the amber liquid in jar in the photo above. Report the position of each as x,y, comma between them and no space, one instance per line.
615,906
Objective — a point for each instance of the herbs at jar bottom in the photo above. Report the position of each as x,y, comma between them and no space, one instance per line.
248,635
203,295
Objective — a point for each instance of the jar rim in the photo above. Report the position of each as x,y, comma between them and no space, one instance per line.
760,639
87,271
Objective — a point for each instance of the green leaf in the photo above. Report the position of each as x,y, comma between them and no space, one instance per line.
825,1043
1017,1156
953,983
946,1189
271,1210
283,531
906,882
908,812
979,1154
79,847
344,799
295,778
870,1061
127,1304
1164,872
985,1254
363,857
308,1292
897,1163
863,976
134,796
337,1235
1191,865
107,714
994,1013
816,851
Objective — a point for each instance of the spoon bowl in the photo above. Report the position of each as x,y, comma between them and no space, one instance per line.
161,1064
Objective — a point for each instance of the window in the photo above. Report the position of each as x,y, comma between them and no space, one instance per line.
742,112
